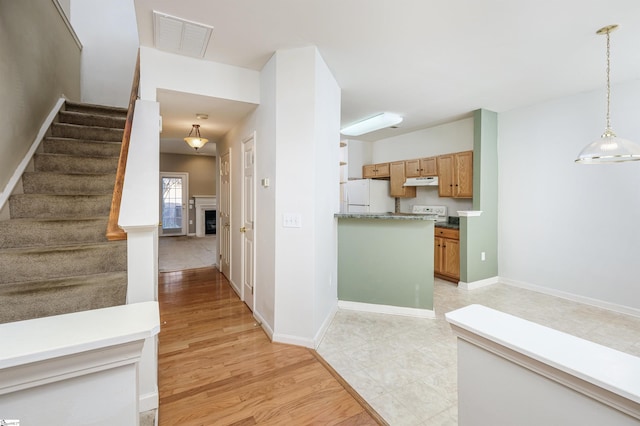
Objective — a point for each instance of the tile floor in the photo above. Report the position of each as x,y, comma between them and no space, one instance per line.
180,253
406,367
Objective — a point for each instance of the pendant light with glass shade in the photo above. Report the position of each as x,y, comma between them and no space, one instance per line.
196,141
609,148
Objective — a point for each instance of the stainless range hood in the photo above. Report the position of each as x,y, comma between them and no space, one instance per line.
421,181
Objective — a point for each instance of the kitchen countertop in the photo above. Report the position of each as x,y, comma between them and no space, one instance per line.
394,216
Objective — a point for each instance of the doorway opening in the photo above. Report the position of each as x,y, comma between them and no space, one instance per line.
174,189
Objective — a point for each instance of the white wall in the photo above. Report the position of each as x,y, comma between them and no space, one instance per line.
40,63
565,227
162,70
444,139
266,197
297,149
109,35
327,199
359,153
307,128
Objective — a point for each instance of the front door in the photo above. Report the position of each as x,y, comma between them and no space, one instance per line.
224,212
174,188
248,221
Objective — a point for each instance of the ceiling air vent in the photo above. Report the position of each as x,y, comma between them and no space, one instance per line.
179,36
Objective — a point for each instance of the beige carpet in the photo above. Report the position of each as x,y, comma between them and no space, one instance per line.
180,253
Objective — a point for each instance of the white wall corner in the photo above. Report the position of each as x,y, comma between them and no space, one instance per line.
478,284
293,340
325,326
236,288
265,326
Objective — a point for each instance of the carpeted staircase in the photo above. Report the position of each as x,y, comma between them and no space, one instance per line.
54,257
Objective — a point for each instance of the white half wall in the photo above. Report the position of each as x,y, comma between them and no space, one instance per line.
109,35
563,226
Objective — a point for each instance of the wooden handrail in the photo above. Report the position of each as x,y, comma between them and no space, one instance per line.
114,232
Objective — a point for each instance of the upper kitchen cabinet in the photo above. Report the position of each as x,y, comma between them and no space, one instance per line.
421,167
376,171
398,178
455,175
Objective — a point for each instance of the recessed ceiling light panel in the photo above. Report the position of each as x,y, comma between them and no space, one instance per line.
371,124
180,36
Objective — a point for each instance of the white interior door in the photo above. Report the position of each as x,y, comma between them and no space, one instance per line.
224,215
174,190
248,221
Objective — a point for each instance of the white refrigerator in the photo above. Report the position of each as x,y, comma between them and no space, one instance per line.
369,196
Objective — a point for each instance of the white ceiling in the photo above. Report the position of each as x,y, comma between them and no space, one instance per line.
430,61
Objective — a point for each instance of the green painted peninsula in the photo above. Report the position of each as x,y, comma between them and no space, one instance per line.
385,263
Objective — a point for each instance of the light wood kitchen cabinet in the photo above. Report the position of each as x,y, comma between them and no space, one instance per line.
455,175
421,167
446,264
375,171
398,177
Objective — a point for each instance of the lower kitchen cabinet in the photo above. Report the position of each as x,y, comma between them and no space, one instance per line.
446,263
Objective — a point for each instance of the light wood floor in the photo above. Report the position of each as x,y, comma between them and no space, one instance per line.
217,366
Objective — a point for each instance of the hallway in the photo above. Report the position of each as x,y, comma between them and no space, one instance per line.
217,367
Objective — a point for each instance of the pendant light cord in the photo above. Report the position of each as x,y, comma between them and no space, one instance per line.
608,83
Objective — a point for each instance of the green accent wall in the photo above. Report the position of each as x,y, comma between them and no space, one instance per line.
479,234
386,262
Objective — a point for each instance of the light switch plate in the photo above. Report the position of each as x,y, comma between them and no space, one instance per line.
291,220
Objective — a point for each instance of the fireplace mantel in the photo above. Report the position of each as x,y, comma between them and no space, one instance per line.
203,203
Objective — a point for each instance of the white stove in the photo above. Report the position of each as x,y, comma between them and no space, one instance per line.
439,213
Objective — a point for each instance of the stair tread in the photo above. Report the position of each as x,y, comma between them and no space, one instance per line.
57,155
61,196
94,114
120,110
86,127
55,296
62,138
73,175
61,247
70,280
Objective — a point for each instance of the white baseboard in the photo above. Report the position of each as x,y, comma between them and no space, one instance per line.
386,309
266,327
191,234
236,288
293,340
17,174
325,326
148,401
478,284
573,297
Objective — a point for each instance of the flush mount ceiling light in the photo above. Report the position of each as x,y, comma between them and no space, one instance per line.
377,122
609,148
196,141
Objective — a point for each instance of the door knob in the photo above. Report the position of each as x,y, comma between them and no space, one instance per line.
243,229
